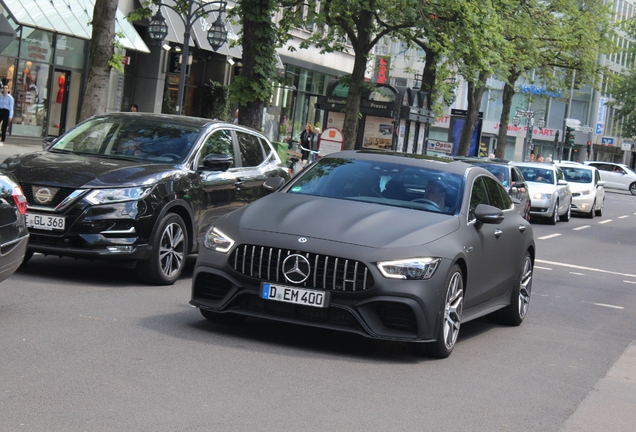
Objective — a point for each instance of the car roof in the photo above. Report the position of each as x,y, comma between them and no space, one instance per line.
541,165
431,162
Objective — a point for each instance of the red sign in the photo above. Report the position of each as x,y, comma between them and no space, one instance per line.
382,72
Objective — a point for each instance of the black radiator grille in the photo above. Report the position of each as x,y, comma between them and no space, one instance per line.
60,196
327,272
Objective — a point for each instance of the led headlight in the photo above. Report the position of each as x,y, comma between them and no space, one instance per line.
541,196
414,268
107,196
217,241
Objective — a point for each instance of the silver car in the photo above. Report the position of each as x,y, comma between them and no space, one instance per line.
588,193
616,176
549,192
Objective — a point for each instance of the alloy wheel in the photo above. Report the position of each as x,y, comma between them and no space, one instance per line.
453,310
525,288
172,249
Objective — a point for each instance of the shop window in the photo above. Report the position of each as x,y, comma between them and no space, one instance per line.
30,94
70,52
37,45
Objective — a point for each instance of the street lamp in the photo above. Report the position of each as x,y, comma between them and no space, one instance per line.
529,115
217,34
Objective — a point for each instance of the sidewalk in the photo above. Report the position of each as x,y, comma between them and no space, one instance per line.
17,145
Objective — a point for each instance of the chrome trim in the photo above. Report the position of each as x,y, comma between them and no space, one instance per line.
65,202
131,230
9,243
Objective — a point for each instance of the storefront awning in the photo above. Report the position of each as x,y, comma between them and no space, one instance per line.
70,17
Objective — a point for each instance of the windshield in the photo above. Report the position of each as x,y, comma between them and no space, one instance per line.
538,175
130,138
577,175
382,183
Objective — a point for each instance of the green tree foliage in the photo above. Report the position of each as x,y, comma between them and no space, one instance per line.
623,87
216,101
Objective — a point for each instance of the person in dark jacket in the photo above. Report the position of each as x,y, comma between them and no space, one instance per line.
306,141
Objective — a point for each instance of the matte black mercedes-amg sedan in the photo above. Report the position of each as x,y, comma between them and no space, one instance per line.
386,245
140,187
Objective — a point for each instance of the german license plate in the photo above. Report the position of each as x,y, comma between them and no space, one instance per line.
45,222
289,294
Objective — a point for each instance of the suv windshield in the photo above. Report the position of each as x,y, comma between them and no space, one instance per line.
382,183
130,138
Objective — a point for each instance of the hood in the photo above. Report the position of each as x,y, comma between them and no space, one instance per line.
545,188
580,187
80,171
338,220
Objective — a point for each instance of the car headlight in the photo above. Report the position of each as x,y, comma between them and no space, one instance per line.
414,268
107,196
215,239
541,196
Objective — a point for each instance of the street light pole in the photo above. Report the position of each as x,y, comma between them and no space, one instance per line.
217,34
529,115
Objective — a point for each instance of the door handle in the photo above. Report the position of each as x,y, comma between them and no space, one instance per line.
498,232
523,228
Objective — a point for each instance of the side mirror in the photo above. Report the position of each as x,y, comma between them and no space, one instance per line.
272,184
487,214
48,142
600,183
217,162
562,183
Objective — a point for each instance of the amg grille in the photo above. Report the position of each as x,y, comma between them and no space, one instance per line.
327,272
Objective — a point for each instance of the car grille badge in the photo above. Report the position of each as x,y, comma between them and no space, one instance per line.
296,268
43,195
302,240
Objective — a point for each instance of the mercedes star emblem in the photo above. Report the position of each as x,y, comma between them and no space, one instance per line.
296,268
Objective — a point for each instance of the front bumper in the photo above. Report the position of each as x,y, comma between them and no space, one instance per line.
399,310
582,203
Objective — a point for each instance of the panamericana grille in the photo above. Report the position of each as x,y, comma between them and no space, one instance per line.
327,272
60,196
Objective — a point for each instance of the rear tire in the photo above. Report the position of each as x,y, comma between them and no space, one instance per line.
632,188
169,244
515,312
223,318
448,328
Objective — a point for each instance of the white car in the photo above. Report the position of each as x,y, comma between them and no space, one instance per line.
616,176
550,194
588,193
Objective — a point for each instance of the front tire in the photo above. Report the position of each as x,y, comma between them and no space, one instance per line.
568,214
555,215
632,188
169,244
448,330
599,212
592,212
515,312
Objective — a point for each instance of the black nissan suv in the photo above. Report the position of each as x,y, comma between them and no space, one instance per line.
143,187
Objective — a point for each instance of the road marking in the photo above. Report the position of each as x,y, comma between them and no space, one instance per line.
605,221
544,268
549,236
585,268
631,282
604,305
623,217
581,227
578,274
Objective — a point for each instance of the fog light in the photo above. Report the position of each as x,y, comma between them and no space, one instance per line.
119,249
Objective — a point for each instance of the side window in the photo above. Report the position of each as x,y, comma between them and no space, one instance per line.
478,195
603,167
497,195
597,175
251,149
559,174
220,143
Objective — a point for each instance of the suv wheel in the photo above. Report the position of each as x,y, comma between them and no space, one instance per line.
169,244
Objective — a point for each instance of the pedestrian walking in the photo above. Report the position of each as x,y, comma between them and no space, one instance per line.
6,111
235,117
306,139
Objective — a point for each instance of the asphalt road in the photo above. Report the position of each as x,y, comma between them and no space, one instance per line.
84,346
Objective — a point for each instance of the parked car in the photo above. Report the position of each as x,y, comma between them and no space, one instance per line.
14,235
144,187
511,179
588,193
390,246
616,176
550,193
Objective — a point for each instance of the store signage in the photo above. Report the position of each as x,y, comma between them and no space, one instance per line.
440,146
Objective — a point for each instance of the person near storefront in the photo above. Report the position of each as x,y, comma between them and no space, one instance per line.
6,111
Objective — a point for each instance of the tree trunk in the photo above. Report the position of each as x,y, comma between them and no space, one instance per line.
354,96
429,76
475,93
251,113
508,94
101,51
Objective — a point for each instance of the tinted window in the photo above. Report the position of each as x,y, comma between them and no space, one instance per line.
497,195
478,195
251,149
219,143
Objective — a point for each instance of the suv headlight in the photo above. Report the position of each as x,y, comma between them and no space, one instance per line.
217,241
414,268
107,196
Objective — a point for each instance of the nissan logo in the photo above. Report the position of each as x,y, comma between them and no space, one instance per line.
296,268
43,195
